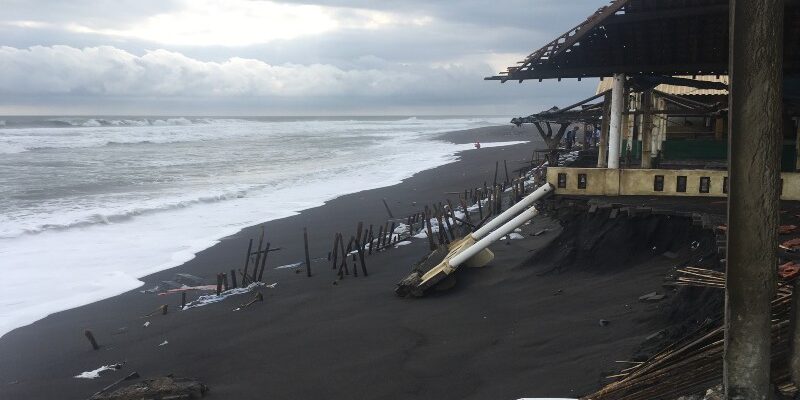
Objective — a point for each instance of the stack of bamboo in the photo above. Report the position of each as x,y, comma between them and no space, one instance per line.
695,363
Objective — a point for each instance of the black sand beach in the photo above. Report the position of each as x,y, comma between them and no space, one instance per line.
503,332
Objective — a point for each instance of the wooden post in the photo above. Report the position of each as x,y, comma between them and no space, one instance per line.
387,209
480,208
378,242
90,336
247,262
183,299
385,233
355,267
755,120
496,167
165,308
647,130
233,279
258,256
263,263
335,249
225,281
505,166
343,265
391,234
361,259
219,284
431,243
305,245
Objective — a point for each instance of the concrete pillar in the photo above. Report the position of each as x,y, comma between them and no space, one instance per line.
602,145
755,124
615,120
647,130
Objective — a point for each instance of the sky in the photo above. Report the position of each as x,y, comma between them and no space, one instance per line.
301,57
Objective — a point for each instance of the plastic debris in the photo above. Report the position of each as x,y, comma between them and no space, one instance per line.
96,373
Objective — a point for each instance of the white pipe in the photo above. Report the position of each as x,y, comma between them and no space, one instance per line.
615,122
507,228
512,211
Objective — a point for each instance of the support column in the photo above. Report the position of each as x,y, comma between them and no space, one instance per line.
794,338
719,128
647,130
615,121
755,123
602,145
797,146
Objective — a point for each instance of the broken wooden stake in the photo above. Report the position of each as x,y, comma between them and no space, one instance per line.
263,264
90,336
247,262
308,259
183,298
233,279
387,208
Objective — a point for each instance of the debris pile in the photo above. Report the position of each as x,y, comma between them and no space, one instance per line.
166,387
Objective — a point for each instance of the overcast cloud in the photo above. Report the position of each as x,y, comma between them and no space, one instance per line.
250,57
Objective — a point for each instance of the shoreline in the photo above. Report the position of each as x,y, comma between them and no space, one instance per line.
114,284
504,331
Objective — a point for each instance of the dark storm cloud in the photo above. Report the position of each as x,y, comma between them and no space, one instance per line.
435,66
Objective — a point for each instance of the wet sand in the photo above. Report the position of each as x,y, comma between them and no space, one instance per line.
502,333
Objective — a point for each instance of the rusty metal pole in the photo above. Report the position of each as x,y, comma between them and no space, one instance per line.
756,122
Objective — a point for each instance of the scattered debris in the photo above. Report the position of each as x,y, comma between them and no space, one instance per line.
287,266
791,244
213,298
164,343
652,297
541,232
786,229
604,322
403,243
257,297
558,292
167,387
146,324
789,271
96,373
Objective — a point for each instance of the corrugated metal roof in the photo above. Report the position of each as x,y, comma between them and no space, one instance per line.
605,84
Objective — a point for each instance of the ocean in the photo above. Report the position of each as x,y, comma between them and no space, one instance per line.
89,205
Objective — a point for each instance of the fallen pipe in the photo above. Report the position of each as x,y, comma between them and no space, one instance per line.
512,211
472,250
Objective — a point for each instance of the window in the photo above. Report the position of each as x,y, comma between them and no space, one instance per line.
705,184
658,183
562,180
581,181
681,184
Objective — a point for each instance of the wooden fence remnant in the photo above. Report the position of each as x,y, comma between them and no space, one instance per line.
305,245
